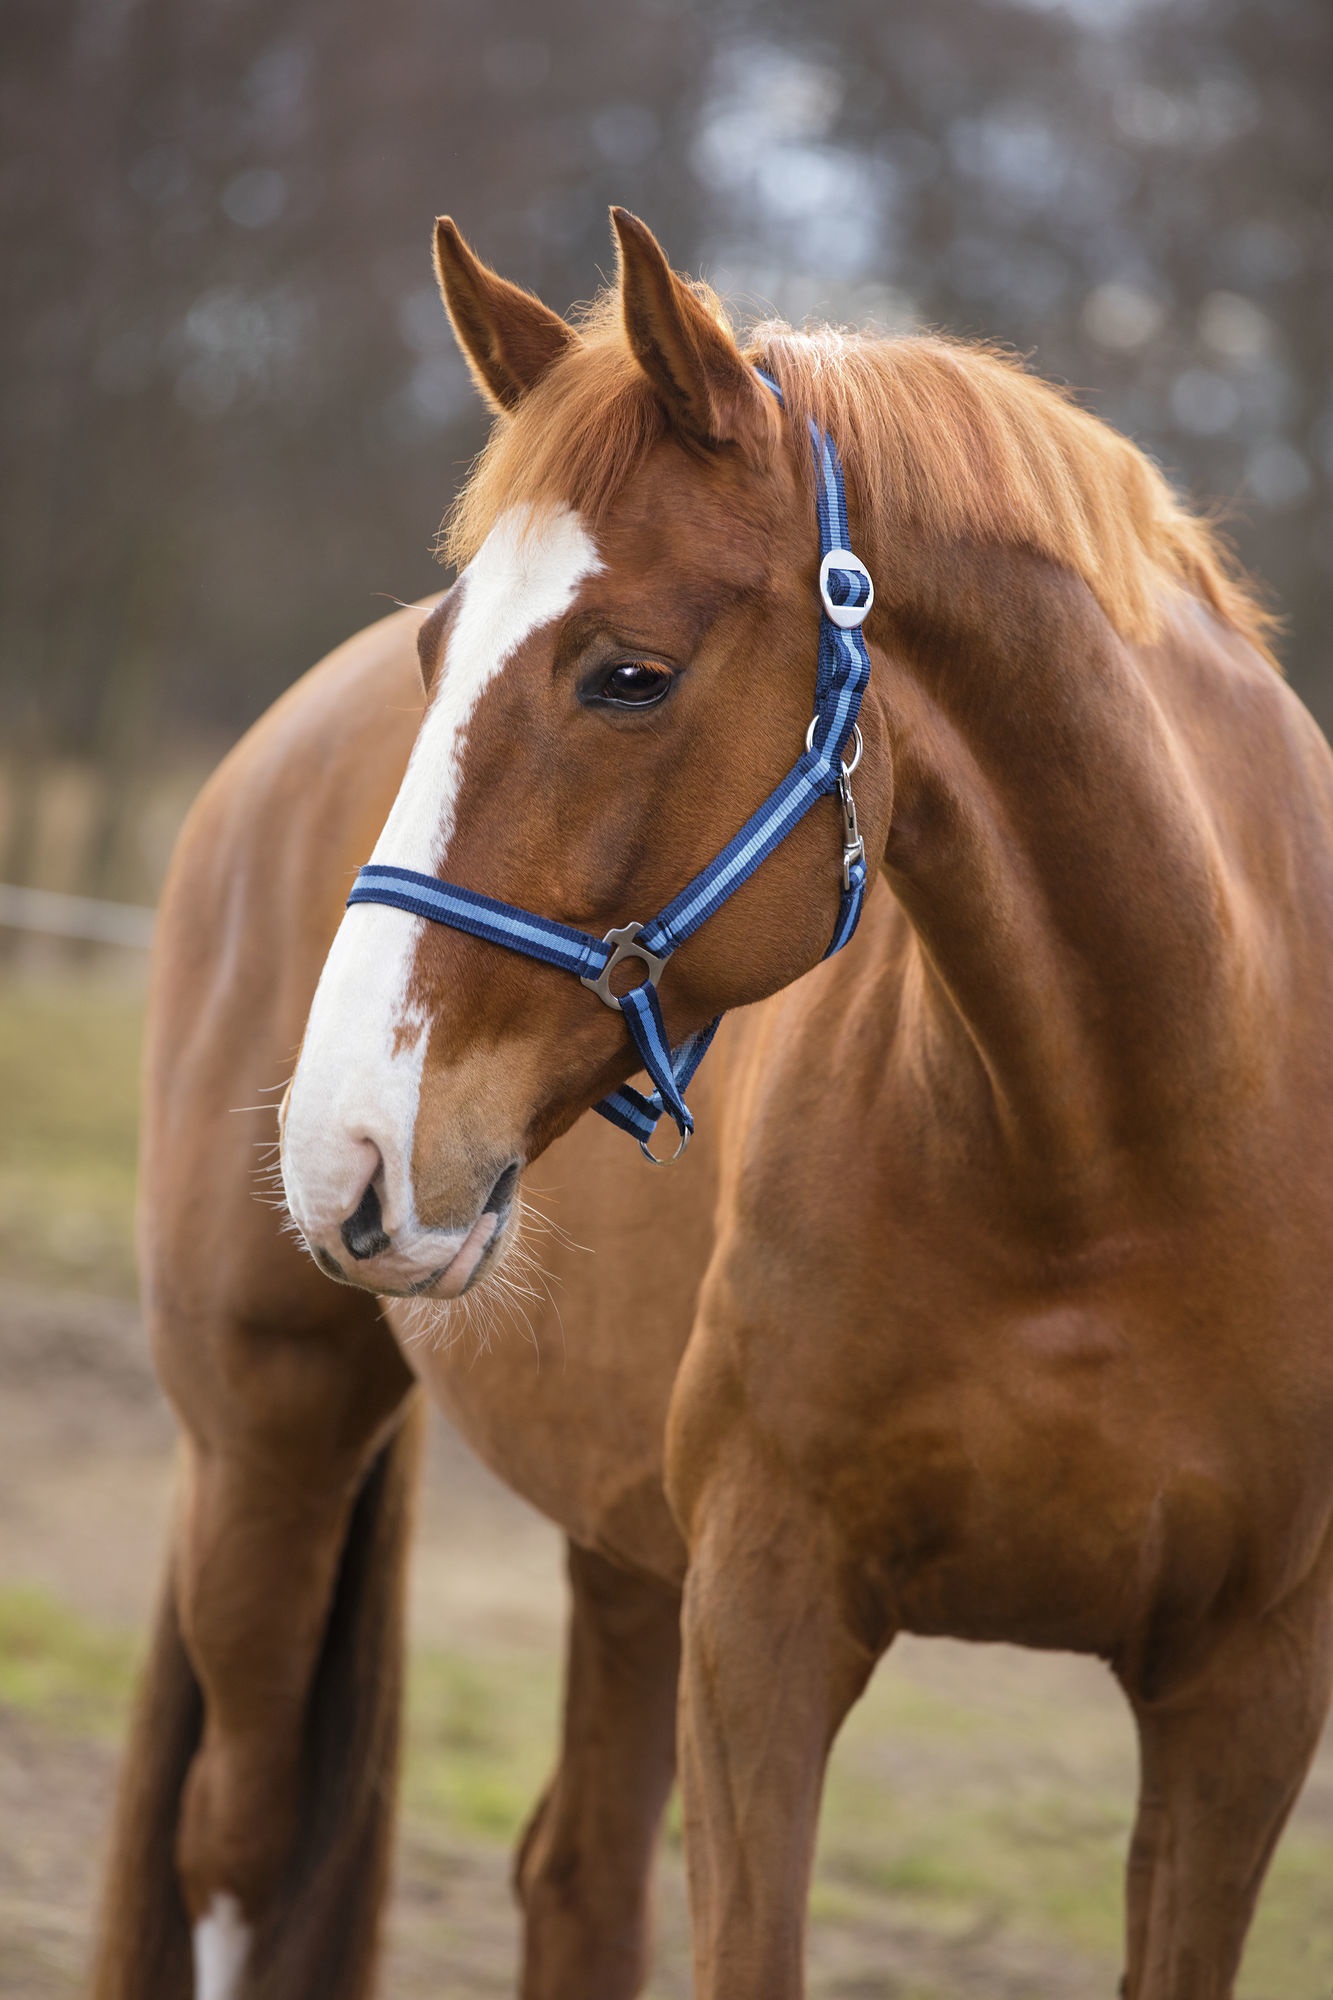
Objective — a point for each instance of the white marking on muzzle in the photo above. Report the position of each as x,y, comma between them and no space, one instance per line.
221,1947
357,1083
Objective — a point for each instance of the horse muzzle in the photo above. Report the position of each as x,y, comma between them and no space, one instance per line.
373,1238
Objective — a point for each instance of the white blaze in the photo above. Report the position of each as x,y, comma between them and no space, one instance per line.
524,574
221,1947
358,1080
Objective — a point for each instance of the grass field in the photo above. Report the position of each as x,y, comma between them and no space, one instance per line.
69,1086
957,1817
979,1800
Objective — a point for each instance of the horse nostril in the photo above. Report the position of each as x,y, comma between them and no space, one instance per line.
500,1194
363,1233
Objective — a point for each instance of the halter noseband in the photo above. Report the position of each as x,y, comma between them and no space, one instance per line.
846,594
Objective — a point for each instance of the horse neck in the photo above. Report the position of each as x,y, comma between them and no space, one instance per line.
1058,859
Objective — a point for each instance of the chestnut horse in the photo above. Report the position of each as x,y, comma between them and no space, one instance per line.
992,1300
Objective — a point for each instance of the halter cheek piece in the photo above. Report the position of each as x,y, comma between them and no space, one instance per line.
846,594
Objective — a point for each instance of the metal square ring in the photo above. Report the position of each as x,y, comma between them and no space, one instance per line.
625,944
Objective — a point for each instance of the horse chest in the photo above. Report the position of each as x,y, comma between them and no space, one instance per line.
1052,1475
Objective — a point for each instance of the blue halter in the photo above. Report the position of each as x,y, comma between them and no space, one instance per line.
846,594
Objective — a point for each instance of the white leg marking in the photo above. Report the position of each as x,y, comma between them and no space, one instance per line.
221,1947
359,1077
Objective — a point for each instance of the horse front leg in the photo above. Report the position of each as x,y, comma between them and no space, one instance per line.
1222,1760
256,1569
584,1864
256,1801
770,1667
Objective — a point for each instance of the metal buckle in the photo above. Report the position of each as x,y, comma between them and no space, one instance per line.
626,945
845,616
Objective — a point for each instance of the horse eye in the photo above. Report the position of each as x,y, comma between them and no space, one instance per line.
635,684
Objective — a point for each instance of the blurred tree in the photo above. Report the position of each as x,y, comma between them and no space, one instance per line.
1137,193
231,406
231,411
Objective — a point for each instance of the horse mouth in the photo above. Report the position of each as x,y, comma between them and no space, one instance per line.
475,1254
424,1285
488,1255
389,1264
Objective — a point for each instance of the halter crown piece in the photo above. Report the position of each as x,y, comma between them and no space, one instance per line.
846,594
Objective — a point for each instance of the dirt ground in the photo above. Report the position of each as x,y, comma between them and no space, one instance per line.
976,1810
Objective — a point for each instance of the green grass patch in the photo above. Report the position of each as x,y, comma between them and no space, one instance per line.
961,1815
481,1741
1015,1815
980,1826
69,1083
60,1669
1290,1954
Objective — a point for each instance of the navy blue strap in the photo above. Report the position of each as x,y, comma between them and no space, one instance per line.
569,950
849,908
842,675
670,1069
810,779
481,916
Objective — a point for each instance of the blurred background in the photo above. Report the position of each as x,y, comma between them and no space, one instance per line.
232,411
231,418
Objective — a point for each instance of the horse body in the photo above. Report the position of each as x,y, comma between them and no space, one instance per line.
992,1298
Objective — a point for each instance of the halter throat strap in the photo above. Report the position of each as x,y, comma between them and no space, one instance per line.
846,594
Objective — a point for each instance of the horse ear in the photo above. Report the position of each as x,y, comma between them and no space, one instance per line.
508,337
710,393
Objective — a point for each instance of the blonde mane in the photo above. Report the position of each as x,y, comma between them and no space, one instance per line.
944,439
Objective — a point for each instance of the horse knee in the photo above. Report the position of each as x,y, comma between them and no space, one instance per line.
584,1937
237,1822
238,1817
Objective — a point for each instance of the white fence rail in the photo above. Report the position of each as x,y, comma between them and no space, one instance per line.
84,917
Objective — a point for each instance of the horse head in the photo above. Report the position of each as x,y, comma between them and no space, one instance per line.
623,671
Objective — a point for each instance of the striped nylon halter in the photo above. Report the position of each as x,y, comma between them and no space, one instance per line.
846,594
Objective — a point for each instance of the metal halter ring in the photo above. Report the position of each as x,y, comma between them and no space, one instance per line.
625,943
858,748
671,1158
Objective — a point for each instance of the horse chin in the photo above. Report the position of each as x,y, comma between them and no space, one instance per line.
475,1256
